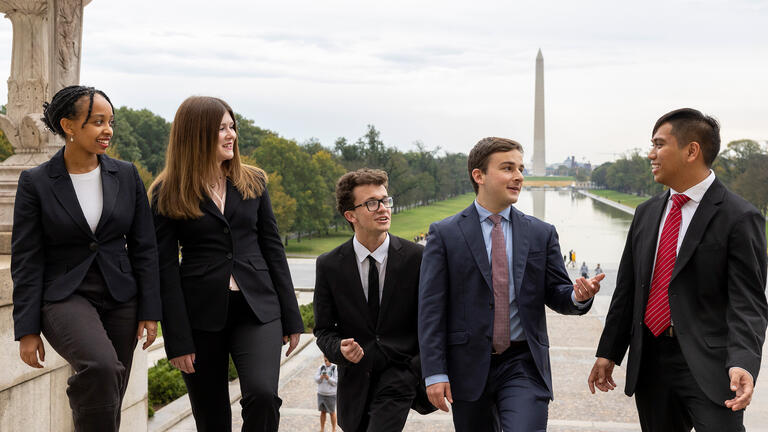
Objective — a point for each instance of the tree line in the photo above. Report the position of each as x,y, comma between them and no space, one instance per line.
302,176
742,166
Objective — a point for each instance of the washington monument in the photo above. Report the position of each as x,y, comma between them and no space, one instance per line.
539,157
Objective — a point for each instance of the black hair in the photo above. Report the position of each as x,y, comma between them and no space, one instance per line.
63,105
690,125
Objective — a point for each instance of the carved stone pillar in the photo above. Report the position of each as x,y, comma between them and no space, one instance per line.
47,38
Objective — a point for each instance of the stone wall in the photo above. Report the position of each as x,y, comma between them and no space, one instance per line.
36,399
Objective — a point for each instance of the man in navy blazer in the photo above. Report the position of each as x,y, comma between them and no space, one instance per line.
497,377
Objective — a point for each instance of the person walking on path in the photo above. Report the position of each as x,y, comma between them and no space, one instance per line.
598,270
487,274
584,270
84,259
326,379
231,294
690,291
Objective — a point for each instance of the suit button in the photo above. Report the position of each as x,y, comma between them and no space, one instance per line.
93,246
229,255
226,230
378,339
490,306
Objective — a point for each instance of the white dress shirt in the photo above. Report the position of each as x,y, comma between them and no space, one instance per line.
379,255
89,193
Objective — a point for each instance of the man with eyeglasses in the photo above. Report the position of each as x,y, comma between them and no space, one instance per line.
366,297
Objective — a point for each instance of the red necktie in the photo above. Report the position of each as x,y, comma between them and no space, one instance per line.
657,314
500,280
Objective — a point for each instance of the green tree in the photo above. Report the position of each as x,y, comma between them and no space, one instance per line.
283,205
6,149
141,135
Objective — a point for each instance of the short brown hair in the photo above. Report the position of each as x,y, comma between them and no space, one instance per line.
690,125
482,151
345,198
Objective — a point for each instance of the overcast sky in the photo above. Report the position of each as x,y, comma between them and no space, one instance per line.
441,72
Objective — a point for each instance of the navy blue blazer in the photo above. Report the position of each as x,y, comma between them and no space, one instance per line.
52,246
456,297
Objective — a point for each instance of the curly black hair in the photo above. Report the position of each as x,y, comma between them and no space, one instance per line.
63,105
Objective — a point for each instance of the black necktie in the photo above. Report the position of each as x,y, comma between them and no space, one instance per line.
373,290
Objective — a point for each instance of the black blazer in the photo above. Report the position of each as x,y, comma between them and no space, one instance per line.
716,294
243,242
53,247
341,311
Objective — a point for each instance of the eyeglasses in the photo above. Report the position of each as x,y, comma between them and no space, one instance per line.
373,205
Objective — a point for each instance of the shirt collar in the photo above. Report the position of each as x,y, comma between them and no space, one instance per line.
696,192
484,213
362,252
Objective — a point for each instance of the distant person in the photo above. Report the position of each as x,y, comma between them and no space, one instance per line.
584,270
573,259
690,298
365,303
232,293
598,270
84,259
326,379
487,274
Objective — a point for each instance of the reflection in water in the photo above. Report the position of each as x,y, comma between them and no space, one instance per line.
595,231
539,204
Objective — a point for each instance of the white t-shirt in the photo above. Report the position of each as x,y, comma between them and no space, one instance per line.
89,195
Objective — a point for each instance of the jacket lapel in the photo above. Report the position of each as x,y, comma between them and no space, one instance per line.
394,261
65,194
350,280
110,186
708,207
232,201
650,233
469,225
520,246
208,205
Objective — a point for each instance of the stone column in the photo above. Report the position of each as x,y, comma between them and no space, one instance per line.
47,38
539,146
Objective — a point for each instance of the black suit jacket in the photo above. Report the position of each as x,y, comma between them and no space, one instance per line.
341,311
53,247
243,242
716,294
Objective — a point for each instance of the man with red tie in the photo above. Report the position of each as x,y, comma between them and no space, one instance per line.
690,292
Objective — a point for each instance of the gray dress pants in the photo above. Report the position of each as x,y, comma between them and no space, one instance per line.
97,336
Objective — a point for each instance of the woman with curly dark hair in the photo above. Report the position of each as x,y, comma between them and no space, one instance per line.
84,259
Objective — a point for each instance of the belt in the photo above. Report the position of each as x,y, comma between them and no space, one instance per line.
513,346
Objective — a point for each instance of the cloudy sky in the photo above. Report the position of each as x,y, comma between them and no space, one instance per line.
445,73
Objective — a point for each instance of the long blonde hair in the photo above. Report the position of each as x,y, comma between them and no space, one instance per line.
190,161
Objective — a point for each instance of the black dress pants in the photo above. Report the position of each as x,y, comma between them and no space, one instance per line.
96,334
390,396
255,350
668,397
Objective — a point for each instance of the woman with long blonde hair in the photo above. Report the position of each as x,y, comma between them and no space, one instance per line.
231,293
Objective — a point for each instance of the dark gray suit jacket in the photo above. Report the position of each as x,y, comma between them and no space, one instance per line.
716,294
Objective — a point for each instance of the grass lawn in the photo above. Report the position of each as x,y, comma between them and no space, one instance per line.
405,224
621,198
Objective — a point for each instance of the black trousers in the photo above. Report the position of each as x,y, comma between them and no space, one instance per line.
96,334
255,350
669,399
515,397
390,395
